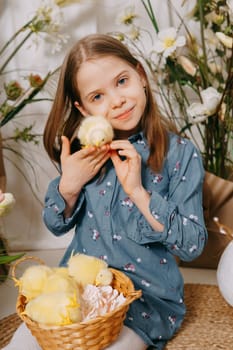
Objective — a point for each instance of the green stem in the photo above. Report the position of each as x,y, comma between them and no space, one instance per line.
150,13
205,65
14,36
15,51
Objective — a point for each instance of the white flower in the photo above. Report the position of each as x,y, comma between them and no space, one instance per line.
210,40
48,19
134,33
47,25
167,41
225,39
197,112
200,111
128,17
211,98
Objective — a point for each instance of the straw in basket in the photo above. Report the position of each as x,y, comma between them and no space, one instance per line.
95,334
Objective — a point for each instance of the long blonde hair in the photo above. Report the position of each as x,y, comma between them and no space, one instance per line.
64,117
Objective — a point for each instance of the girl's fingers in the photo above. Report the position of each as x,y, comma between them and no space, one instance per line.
65,151
115,158
93,151
118,144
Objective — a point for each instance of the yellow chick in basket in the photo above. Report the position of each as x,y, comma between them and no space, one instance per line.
61,270
87,269
104,277
59,281
54,309
32,282
95,131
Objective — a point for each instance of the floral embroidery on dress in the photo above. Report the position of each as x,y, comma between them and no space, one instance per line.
193,217
117,237
185,221
172,319
195,155
193,248
103,257
129,267
102,192
155,215
126,202
145,315
95,234
145,283
163,261
90,214
157,178
177,166
181,141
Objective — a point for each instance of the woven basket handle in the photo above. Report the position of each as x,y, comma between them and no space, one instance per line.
131,296
21,260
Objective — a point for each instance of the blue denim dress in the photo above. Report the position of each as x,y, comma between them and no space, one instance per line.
108,225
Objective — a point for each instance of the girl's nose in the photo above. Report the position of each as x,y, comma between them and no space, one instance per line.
117,101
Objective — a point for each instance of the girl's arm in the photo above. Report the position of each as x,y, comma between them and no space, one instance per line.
128,172
180,213
77,170
64,197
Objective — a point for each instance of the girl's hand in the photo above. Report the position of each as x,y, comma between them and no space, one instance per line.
128,170
79,168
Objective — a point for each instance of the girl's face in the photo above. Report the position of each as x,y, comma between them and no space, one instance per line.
110,87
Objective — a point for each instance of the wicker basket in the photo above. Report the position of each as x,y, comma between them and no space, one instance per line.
95,334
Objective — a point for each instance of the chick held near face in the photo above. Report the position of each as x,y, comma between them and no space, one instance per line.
95,131
118,96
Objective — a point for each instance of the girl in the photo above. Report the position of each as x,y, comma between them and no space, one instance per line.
136,202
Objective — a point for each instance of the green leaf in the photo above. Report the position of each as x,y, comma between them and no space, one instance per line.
6,259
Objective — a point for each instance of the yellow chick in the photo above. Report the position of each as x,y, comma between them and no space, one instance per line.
63,271
104,277
55,309
59,282
85,269
32,282
95,131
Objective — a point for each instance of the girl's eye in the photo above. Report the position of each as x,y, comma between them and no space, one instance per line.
122,81
96,97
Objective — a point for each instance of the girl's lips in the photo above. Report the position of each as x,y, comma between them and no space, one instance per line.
124,115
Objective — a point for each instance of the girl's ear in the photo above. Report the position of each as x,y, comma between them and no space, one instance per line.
81,109
142,74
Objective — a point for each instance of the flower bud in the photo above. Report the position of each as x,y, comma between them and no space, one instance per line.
226,40
13,90
35,80
187,65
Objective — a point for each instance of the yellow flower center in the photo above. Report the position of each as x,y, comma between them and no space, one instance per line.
169,42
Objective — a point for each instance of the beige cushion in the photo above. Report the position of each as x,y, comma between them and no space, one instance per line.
217,202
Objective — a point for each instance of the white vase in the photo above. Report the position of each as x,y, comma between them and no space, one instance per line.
225,274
